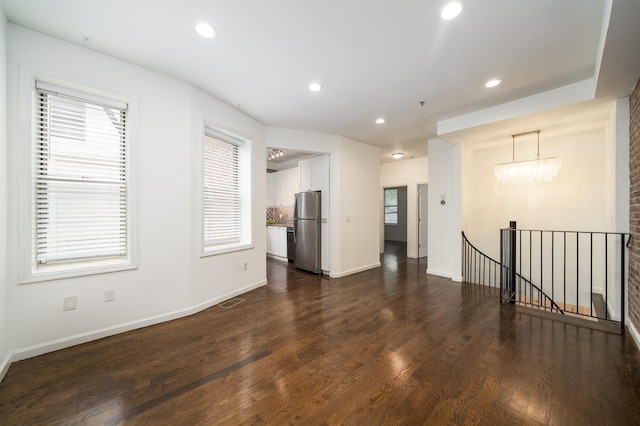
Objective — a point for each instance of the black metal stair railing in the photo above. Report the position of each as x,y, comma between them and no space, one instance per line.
581,274
478,268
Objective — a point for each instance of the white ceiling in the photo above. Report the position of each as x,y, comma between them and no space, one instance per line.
374,58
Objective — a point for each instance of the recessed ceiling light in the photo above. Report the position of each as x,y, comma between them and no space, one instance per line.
380,120
493,82
315,87
205,30
451,10
397,155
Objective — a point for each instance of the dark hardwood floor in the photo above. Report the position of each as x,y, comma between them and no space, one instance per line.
387,346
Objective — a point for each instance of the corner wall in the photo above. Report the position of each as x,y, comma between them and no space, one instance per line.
4,177
633,293
445,220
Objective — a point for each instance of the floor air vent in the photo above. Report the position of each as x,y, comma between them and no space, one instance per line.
231,303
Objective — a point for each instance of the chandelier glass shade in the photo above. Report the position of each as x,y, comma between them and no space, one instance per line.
538,170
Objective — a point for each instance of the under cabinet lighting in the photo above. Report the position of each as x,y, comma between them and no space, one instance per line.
380,121
397,155
492,83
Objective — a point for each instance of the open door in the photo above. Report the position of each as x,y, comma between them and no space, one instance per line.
422,220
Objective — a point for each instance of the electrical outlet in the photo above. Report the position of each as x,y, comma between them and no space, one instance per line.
245,266
70,303
110,295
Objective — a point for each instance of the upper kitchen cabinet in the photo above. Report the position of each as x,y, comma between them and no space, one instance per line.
311,173
272,188
281,187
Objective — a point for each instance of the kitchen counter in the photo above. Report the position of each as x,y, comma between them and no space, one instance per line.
281,225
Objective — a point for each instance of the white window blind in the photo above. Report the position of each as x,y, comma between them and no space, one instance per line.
80,175
222,190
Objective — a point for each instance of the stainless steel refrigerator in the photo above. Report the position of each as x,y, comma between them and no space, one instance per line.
306,231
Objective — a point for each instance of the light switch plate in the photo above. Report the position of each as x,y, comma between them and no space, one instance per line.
110,295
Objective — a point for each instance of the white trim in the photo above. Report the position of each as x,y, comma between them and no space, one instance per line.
54,345
354,271
214,251
457,278
280,258
633,331
444,275
4,366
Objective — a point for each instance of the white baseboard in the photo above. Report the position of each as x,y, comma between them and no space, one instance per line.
439,273
4,366
633,331
66,342
354,271
280,258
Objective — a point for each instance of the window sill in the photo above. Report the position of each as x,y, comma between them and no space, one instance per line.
62,272
214,251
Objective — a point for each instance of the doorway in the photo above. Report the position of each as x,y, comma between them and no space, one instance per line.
395,218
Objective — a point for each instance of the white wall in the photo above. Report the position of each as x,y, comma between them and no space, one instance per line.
171,280
574,200
213,276
409,173
621,188
4,328
358,224
444,220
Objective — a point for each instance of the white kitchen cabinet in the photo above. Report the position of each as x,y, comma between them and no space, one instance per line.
277,241
281,187
272,189
287,185
311,174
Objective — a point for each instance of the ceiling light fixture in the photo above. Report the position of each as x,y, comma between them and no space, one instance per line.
380,121
538,170
205,30
451,10
492,83
315,87
275,153
397,155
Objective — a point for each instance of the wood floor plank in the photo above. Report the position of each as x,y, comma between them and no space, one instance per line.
386,346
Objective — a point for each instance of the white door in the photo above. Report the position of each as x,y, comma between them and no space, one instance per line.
422,220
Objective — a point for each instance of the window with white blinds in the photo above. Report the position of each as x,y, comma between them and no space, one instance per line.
80,177
225,191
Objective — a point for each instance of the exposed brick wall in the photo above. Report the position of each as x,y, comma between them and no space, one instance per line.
634,206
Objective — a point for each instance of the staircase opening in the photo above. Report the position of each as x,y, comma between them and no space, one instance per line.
569,273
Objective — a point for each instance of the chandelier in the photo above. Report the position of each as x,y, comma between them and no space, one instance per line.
275,153
538,170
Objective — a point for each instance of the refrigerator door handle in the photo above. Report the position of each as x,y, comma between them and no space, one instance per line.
295,225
